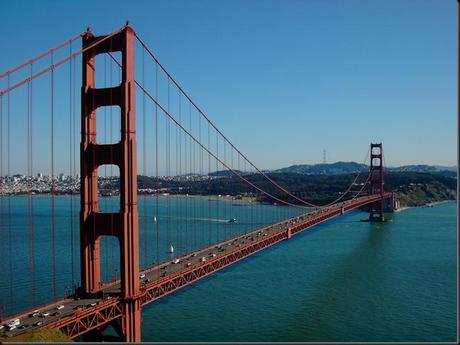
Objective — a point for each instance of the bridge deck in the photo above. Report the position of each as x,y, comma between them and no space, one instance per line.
81,315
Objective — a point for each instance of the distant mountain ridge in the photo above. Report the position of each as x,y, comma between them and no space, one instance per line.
350,167
324,168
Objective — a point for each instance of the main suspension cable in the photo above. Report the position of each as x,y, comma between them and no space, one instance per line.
144,45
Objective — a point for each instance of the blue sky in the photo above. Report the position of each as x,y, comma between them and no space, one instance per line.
285,79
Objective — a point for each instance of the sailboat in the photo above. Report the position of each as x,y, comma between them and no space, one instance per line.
171,249
154,219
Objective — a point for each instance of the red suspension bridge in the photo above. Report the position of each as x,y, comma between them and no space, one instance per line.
133,251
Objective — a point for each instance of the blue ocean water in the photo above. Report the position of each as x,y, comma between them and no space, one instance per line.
186,223
344,280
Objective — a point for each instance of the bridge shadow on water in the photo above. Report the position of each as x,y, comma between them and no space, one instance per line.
358,270
343,307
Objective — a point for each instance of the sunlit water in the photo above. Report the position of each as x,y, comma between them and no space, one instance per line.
185,223
345,280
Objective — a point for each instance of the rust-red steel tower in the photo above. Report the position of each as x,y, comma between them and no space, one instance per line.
376,212
123,224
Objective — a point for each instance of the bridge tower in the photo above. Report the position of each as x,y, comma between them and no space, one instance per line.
376,210
123,224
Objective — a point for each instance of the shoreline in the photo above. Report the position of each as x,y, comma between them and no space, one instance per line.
430,204
245,199
221,197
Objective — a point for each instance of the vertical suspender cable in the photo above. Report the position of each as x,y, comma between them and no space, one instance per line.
30,198
71,159
200,152
144,163
112,258
183,207
218,199
10,243
240,192
184,183
74,172
176,169
179,229
225,199
235,193
53,239
156,173
106,202
168,173
192,171
2,218
209,183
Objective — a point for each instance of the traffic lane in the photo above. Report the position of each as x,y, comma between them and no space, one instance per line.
31,321
218,250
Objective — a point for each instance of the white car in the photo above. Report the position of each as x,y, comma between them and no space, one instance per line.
15,322
176,261
59,307
45,314
10,328
203,259
142,276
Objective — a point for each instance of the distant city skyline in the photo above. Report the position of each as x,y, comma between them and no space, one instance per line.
284,80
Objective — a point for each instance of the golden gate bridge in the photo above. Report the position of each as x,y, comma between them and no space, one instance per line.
184,152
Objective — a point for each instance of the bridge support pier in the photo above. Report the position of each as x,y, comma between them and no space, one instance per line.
376,210
131,324
123,224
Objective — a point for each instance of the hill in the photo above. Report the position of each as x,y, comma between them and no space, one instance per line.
338,168
326,169
413,188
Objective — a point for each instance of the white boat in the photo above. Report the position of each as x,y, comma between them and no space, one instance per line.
171,249
154,219
176,261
